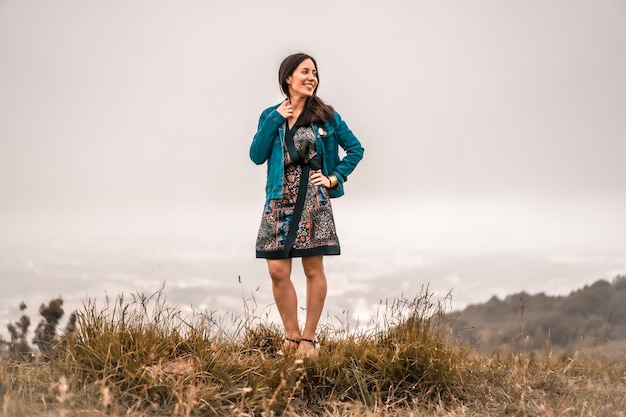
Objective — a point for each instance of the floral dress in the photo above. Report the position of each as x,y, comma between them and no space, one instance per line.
300,223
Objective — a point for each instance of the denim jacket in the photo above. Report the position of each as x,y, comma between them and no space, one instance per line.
269,140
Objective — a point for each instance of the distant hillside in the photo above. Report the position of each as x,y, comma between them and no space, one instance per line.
593,317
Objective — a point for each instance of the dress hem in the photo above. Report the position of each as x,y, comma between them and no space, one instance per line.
299,253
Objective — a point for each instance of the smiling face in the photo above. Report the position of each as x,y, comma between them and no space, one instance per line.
303,81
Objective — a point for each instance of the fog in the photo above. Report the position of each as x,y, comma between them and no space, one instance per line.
494,135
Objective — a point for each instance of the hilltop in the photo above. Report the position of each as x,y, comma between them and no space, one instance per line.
141,357
592,318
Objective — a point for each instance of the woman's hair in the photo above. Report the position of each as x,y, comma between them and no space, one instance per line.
315,110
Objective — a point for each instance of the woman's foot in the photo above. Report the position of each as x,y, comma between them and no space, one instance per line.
289,345
308,348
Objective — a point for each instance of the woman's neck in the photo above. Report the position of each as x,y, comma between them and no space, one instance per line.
297,103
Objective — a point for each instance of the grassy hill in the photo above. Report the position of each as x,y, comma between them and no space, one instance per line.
145,358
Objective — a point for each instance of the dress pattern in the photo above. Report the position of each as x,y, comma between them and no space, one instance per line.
316,233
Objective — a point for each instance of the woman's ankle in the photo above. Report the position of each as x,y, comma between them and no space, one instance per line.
308,347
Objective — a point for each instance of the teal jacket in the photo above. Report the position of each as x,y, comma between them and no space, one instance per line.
269,140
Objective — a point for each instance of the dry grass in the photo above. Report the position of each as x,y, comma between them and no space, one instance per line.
143,358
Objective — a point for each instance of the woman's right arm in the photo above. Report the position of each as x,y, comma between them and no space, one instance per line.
267,132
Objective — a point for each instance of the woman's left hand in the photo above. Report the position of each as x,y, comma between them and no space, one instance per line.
317,178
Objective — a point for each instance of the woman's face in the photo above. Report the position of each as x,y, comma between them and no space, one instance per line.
303,81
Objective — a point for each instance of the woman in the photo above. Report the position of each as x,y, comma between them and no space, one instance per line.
299,139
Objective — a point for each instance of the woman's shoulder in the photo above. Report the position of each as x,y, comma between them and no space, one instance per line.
334,119
272,113
270,109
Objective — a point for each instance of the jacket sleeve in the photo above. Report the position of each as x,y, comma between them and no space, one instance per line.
267,132
350,144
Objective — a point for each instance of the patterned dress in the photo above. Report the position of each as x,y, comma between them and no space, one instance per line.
308,210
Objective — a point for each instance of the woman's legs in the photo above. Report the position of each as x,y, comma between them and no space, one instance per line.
315,298
287,301
285,297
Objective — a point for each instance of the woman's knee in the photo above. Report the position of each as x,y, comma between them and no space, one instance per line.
279,270
313,266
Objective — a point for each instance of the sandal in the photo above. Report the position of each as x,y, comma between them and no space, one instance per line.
309,353
286,346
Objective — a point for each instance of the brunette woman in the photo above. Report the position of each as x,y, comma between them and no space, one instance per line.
300,139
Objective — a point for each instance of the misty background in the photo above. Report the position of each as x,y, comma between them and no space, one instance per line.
494,136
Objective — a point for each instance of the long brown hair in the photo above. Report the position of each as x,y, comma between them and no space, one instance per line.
315,110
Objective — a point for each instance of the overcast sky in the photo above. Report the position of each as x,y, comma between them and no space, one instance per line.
107,105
